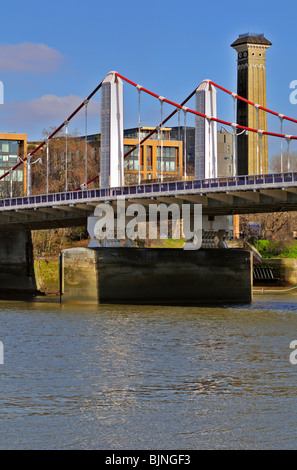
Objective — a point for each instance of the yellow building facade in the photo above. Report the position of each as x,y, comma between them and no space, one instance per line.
159,158
13,147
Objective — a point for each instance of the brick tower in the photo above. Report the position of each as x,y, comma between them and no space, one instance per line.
251,84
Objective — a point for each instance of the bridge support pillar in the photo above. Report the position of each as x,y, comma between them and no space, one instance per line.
17,278
206,165
114,273
156,276
112,133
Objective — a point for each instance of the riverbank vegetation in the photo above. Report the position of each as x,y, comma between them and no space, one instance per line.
49,243
276,249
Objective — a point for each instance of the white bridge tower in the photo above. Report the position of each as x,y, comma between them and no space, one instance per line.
112,132
206,154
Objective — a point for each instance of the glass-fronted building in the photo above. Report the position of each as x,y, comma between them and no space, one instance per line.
13,147
154,162
159,155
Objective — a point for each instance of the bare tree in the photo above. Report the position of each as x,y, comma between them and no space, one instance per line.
289,162
276,225
61,165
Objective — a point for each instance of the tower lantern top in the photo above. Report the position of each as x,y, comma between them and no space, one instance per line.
251,85
251,38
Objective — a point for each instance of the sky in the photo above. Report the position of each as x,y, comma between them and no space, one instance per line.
53,54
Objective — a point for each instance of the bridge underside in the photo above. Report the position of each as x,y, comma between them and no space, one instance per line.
44,218
33,217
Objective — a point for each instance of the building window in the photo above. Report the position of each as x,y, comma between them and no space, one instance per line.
5,146
149,159
131,162
10,150
169,163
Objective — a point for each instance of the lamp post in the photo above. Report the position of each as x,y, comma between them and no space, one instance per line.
29,174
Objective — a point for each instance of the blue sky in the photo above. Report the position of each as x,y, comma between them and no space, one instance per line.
53,54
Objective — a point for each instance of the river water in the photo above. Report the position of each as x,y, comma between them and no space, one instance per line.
130,377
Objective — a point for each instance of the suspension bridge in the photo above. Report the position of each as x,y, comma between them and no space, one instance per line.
237,194
185,276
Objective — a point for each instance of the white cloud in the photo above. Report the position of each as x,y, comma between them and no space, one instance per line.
33,116
51,107
29,57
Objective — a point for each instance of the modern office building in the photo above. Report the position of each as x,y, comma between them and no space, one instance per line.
160,158
12,147
178,144
156,149
224,149
251,84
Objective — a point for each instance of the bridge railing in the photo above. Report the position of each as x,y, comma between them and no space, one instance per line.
273,180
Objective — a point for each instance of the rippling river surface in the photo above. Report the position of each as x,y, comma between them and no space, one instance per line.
138,377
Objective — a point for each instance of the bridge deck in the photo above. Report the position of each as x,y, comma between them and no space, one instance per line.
220,196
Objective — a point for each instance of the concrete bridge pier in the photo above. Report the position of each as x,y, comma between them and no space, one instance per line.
17,278
157,276
112,273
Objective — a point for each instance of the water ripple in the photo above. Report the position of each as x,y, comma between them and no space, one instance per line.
129,377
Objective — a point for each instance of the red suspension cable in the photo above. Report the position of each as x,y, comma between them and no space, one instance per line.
161,124
54,132
251,102
211,118
172,103
148,135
